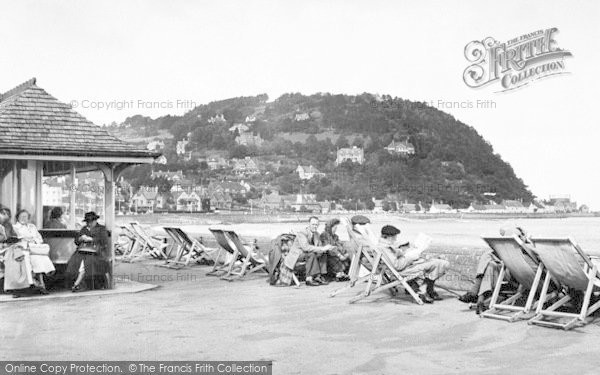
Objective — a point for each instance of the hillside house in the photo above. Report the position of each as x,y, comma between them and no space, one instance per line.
400,148
308,172
354,154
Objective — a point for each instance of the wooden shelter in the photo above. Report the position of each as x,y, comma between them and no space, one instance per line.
41,136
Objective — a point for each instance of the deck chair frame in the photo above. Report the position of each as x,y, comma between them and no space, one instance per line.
528,279
249,264
187,248
363,252
384,276
151,245
587,274
132,242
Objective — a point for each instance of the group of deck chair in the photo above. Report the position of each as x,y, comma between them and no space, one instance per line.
375,269
233,260
564,268
134,242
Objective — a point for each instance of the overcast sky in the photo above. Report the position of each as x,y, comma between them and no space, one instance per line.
185,52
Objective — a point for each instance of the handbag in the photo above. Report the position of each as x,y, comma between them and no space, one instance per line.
88,248
39,249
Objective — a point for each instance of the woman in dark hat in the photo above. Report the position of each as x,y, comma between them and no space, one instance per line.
90,262
338,260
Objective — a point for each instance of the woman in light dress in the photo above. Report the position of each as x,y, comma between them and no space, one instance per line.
36,252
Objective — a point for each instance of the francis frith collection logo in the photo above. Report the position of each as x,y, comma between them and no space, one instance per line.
515,63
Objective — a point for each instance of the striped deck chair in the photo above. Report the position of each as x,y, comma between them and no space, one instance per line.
512,252
187,248
155,246
251,262
384,277
572,268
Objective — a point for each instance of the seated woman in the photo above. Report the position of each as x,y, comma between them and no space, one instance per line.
488,270
56,219
36,254
428,269
90,262
17,275
279,273
338,259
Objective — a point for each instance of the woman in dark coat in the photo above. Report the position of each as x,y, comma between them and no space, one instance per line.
338,259
90,262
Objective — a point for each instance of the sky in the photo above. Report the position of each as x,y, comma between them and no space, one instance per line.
113,59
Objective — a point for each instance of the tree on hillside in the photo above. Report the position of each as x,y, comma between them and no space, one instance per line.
342,142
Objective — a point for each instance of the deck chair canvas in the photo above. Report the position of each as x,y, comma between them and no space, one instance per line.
186,248
229,241
155,246
571,267
512,252
363,258
384,277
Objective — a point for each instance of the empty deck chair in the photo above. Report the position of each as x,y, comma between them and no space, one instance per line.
384,277
571,267
250,262
186,248
155,246
126,242
512,253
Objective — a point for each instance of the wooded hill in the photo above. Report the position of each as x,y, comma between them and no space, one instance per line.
452,162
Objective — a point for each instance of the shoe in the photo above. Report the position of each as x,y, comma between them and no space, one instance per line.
425,298
342,278
468,298
433,295
321,280
481,307
44,291
312,283
76,289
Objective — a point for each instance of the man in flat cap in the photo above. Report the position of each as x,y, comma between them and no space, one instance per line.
430,270
307,246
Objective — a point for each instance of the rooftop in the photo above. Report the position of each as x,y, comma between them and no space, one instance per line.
32,122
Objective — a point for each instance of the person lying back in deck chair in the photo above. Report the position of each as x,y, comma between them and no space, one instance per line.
410,262
488,269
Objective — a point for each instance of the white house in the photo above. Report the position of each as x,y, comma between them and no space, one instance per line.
400,148
181,145
156,145
440,208
308,172
354,154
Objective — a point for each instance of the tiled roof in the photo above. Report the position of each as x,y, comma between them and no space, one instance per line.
32,122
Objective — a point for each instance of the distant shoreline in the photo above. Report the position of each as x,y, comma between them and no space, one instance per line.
237,217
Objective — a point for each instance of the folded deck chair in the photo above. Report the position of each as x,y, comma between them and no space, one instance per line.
512,253
186,248
571,267
155,246
384,276
230,242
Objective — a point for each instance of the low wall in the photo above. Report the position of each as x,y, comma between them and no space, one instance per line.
463,264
